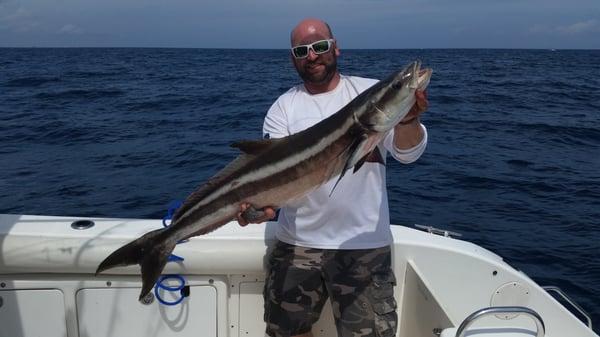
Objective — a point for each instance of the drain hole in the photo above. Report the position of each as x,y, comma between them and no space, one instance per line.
82,224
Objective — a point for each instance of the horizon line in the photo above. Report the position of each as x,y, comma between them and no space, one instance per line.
241,48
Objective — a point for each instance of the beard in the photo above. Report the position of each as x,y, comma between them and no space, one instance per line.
320,77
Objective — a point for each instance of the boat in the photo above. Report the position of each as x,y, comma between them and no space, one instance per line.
445,286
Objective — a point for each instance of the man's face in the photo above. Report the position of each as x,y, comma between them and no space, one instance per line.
316,69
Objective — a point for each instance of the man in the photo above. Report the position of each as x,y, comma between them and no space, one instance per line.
333,245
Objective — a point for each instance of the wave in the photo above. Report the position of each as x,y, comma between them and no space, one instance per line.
564,134
30,82
93,74
80,94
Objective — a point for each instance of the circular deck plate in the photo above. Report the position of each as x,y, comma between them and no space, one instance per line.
509,295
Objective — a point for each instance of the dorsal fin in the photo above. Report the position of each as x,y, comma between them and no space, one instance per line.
254,147
210,184
250,149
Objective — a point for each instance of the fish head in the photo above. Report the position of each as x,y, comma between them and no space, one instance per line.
390,100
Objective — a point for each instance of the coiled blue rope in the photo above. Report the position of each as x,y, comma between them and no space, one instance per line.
181,288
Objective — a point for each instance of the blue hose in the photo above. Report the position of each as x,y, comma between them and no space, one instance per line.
181,288
173,206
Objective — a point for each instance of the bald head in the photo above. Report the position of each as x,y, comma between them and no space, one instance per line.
310,30
317,69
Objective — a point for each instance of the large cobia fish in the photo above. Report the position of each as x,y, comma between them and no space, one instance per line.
272,172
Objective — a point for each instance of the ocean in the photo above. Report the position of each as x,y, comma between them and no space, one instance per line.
513,161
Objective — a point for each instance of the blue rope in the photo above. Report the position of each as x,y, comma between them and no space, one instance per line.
179,287
173,206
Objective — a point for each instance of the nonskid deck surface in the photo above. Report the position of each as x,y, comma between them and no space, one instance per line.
47,266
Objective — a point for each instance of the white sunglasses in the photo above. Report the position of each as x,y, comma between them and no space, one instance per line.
318,47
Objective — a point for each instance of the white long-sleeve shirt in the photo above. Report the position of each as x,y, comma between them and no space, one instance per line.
356,215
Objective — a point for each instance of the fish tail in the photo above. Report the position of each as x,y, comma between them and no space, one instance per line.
151,252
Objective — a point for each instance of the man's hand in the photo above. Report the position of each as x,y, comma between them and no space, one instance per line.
249,214
408,132
418,108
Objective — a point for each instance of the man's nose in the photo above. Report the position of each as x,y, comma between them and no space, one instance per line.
311,55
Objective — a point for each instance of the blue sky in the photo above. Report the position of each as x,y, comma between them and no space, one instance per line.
266,23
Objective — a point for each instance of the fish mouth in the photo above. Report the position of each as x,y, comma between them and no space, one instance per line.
417,77
424,75
413,74
407,76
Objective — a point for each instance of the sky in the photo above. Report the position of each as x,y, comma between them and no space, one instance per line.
356,24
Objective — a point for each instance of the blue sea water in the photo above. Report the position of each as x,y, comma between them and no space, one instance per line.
513,161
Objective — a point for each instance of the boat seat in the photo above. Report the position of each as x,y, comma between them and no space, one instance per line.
490,332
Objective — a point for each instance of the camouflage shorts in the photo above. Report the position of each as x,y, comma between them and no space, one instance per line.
358,282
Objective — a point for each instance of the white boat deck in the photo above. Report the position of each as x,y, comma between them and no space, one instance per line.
48,287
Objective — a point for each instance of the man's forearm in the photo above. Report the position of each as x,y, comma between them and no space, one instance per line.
408,135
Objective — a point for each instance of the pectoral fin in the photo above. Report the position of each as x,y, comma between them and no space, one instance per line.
353,157
373,157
